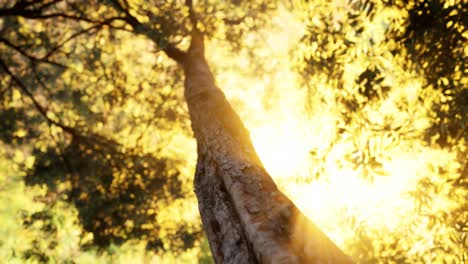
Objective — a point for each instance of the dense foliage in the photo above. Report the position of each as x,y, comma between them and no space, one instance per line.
97,158
394,74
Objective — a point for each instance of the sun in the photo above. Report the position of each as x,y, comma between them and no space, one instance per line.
281,148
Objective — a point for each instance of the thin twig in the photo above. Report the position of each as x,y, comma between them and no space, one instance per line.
29,56
20,8
36,104
81,32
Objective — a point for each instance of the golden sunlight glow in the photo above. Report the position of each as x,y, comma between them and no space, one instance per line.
361,156
285,133
283,152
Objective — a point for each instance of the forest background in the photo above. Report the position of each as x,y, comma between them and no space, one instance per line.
358,109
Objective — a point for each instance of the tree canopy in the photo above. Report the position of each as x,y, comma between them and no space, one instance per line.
357,108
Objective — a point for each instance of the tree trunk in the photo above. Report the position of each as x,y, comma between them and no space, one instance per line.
245,217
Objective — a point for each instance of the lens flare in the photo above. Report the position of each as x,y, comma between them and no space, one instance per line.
347,177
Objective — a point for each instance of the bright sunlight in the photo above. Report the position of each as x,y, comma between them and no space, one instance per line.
296,143
358,109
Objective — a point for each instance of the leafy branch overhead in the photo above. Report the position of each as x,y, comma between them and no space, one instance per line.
63,59
357,109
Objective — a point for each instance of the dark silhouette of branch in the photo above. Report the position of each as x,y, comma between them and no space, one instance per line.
96,26
157,37
59,15
36,104
21,8
37,14
29,56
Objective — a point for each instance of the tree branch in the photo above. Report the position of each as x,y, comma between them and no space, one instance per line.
20,8
30,57
61,15
192,14
36,104
170,49
37,14
81,32
196,43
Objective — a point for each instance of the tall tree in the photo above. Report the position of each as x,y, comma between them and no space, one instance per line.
246,217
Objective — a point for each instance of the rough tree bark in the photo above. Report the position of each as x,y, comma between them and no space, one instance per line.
247,219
